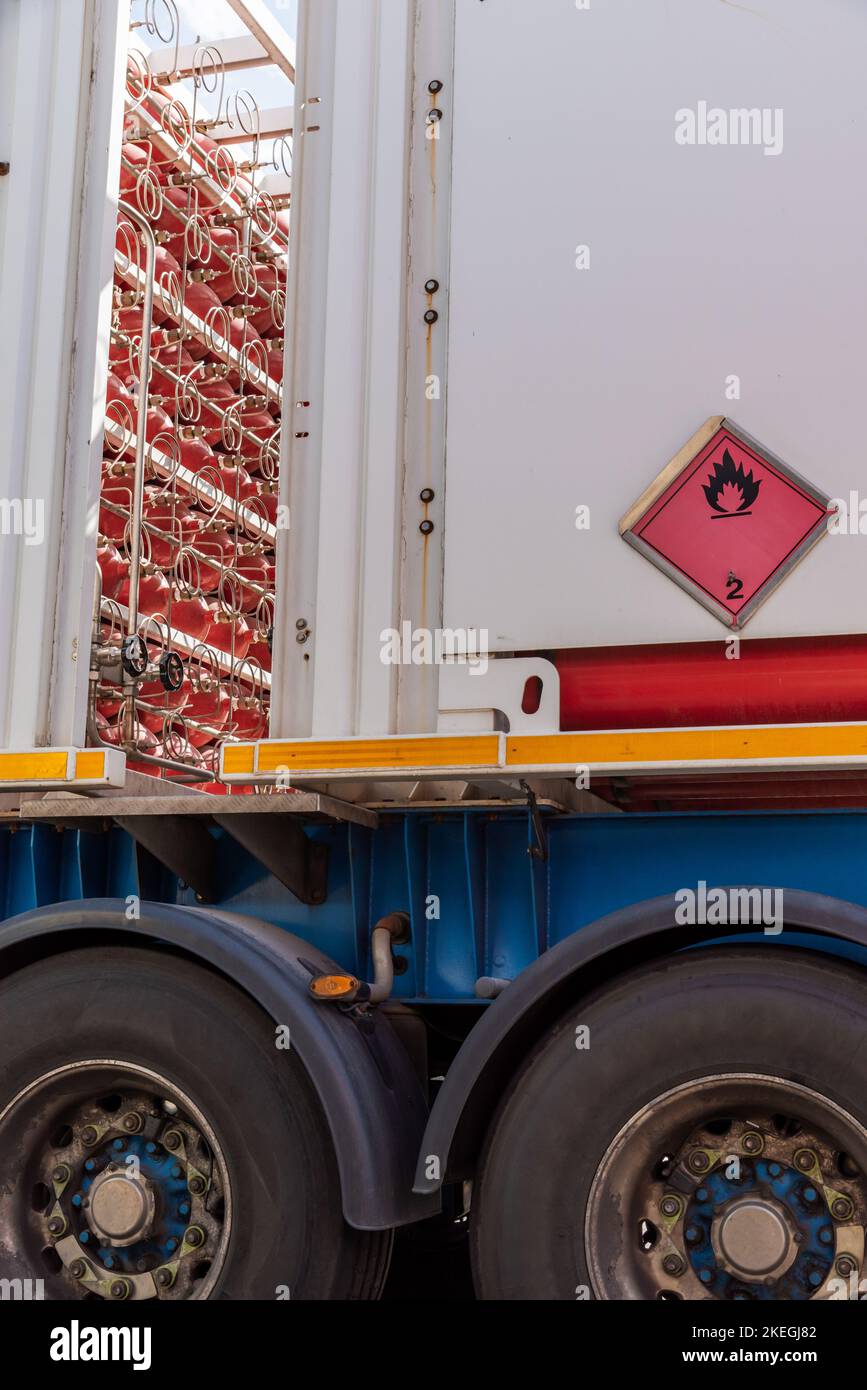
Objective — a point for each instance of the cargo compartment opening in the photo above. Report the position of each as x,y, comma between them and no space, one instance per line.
202,247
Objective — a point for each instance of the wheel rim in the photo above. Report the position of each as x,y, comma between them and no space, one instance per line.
118,1185
736,1187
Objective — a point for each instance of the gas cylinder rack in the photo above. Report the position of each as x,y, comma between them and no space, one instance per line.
188,512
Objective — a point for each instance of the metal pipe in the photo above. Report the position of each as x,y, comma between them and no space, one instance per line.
138,220
388,931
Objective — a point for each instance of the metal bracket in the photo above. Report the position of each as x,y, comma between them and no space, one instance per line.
540,849
280,844
183,844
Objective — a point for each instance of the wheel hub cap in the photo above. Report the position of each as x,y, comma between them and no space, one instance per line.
736,1187
753,1238
121,1208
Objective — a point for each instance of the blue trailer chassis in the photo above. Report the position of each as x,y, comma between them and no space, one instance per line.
485,897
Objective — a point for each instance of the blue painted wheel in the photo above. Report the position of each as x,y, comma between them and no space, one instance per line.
695,1129
155,1143
130,1197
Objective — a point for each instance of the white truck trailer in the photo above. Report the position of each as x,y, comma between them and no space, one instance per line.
416,804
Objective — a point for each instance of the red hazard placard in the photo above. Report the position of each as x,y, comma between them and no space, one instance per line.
730,523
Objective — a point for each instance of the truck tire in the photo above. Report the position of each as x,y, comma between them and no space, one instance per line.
705,1137
154,1141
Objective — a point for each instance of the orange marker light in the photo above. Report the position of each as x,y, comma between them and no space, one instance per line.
333,986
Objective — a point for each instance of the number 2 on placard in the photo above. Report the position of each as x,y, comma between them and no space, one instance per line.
735,586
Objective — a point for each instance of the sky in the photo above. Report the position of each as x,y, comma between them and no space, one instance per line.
212,20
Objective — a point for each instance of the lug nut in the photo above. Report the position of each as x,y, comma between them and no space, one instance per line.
699,1161
60,1173
78,1269
57,1225
119,1288
164,1278
752,1143
197,1186
172,1140
89,1135
842,1208
670,1206
673,1264
195,1236
132,1123
845,1266
805,1159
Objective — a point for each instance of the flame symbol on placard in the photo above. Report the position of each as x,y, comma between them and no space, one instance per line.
731,491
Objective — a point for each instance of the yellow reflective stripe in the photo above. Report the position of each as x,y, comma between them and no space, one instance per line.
314,755
47,765
89,764
238,757
664,746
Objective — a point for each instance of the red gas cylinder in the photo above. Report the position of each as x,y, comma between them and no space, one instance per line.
199,299
787,680
177,360
229,632
115,390
264,319
275,365
241,334
252,567
234,478
116,490
113,567
214,543
248,719
133,159
268,498
261,424
227,240
223,396
189,613
259,650
153,590
197,454
174,519
165,703
178,205
131,321
210,707
178,749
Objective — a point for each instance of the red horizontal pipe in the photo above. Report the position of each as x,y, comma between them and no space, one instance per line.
788,680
